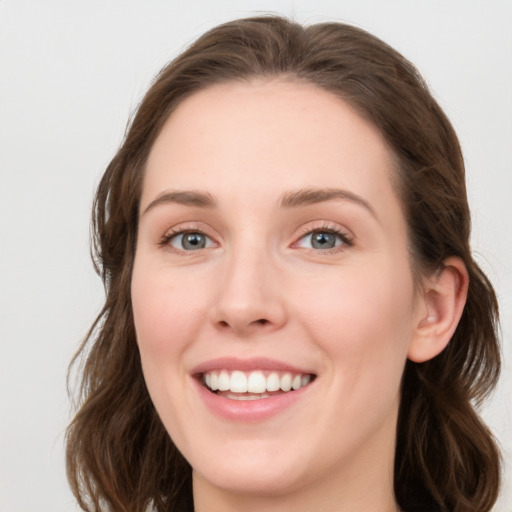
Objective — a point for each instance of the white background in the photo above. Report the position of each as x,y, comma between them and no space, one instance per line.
70,74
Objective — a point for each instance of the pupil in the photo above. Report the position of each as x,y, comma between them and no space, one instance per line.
193,241
323,240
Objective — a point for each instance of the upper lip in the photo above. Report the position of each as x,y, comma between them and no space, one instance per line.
254,363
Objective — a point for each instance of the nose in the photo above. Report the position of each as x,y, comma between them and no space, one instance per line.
250,297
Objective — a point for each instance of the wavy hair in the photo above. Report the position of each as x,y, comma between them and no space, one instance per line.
119,456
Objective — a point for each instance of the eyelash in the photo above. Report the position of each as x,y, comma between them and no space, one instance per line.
346,240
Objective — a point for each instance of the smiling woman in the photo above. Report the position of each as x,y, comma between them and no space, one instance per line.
294,320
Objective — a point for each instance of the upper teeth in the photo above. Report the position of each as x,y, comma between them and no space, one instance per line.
254,382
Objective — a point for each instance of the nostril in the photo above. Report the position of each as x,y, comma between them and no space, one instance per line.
240,324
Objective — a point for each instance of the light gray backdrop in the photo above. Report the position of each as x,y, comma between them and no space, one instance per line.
70,73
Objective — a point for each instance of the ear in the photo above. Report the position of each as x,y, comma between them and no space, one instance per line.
443,297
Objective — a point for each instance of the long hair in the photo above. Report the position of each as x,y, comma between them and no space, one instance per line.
119,456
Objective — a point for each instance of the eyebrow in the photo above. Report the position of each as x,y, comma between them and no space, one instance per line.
294,199
309,196
184,197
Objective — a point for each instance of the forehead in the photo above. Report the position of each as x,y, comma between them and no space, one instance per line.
268,135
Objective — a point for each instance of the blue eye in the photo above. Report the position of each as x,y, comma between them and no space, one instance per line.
190,241
323,239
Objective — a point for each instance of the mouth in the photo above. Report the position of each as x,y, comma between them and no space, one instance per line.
253,385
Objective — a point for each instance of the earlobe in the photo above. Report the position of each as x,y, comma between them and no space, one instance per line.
444,296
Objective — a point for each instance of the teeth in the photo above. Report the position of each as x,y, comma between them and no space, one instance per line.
254,382
238,382
286,382
214,381
224,381
273,383
235,396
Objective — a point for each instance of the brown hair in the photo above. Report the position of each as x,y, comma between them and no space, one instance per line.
119,456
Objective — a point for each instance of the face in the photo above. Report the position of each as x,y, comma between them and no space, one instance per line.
272,292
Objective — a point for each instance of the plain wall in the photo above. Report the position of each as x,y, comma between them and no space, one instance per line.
70,74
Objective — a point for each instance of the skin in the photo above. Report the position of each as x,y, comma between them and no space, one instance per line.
351,315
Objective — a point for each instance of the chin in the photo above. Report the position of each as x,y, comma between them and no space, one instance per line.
266,479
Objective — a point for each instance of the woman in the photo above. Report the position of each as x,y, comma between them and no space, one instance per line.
293,320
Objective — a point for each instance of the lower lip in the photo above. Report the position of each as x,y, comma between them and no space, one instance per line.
249,410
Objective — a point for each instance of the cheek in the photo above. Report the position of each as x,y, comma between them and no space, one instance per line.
166,322
153,330
165,317
168,316
361,318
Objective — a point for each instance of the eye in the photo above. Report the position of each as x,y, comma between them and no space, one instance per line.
323,239
189,241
